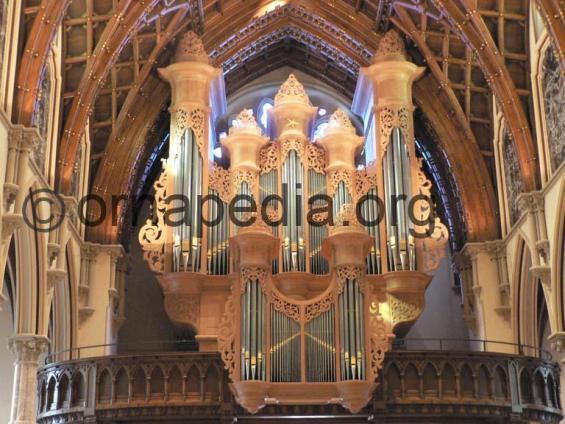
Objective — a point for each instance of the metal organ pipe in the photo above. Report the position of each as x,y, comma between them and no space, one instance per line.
352,333
317,185
252,332
294,251
188,183
268,186
397,197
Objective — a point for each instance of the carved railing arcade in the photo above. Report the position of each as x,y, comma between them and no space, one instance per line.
416,387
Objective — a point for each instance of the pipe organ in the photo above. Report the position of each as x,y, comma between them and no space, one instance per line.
319,263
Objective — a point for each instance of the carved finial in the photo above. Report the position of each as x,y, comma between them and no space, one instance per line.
390,47
292,92
191,49
339,121
245,121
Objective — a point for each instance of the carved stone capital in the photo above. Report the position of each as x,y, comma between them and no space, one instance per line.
505,311
10,223
28,347
557,342
495,249
89,251
55,276
10,192
473,250
543,273
84,313
530,202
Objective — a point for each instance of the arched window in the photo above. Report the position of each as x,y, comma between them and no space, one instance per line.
3,21
320,127
554,106
512,176
263,113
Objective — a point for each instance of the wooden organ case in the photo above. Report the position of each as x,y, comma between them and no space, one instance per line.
303,300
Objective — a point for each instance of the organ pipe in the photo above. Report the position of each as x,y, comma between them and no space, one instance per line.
188,184
294,249
253,364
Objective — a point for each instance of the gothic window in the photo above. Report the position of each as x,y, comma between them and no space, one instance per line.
263,113
3,20
320,127
513,177
554,105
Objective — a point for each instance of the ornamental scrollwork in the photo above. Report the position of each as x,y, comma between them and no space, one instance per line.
379,341
349,273
220,182
424,184
312,156
389,118
152,234
252,274
316,309
191,48
195,120
365,181
291,310
391,43
316,158
293,143
405,309
269,158
292,90
226,334
227,183
341,175
358,182
239,176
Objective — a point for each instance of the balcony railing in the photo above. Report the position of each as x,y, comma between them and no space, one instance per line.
413,385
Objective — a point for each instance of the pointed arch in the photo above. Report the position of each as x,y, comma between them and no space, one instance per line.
121,386
448,381
530,318
393,382
105,387
78,390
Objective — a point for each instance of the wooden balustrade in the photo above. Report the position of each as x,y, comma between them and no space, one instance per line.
412,385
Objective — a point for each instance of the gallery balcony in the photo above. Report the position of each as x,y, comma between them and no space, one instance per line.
447,385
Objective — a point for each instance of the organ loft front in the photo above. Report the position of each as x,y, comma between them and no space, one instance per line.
296,258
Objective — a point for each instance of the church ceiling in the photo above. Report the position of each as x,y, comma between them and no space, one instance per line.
111,48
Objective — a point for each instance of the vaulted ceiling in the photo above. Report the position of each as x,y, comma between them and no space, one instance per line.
112,48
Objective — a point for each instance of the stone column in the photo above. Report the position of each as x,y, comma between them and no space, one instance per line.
27,349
